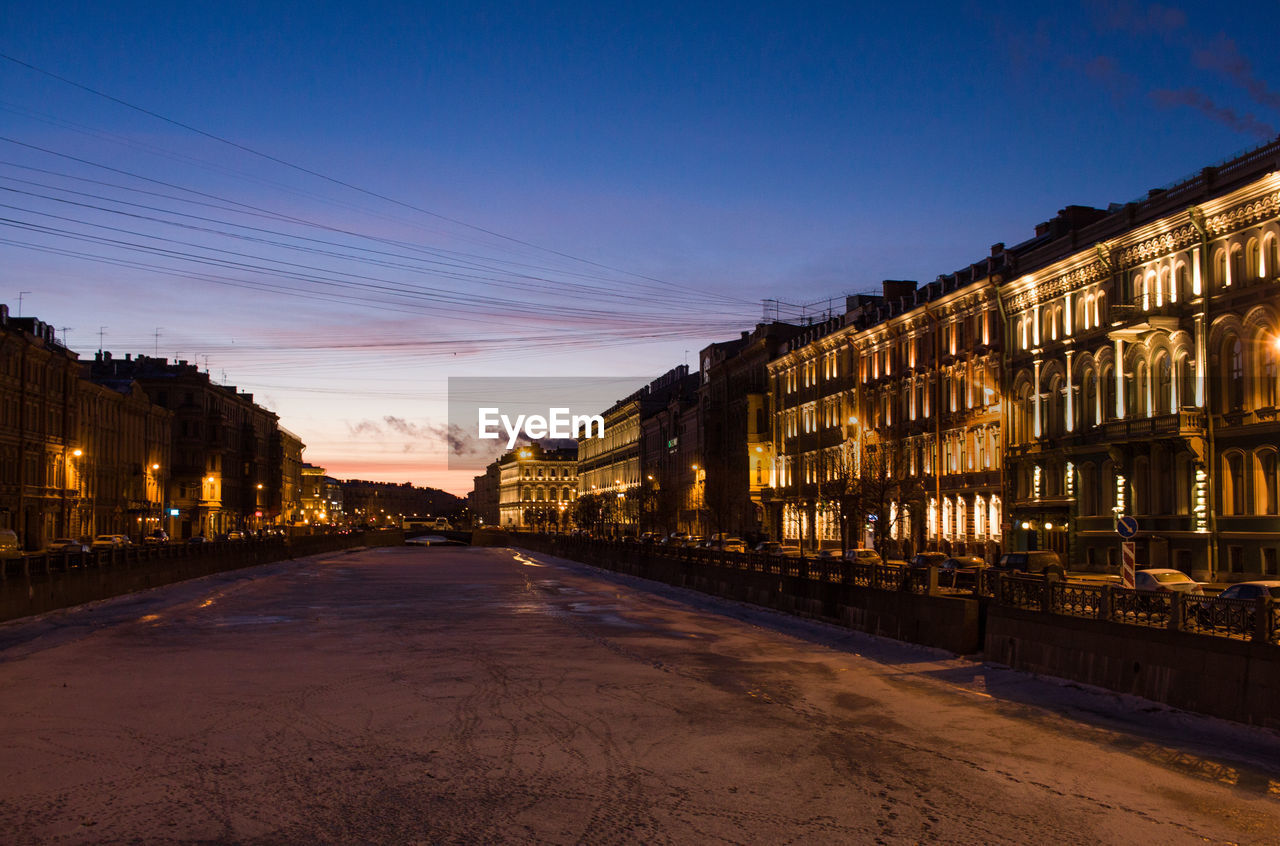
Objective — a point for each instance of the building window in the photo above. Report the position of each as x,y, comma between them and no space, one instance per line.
1233,493
1266,483
1234,350
1270,393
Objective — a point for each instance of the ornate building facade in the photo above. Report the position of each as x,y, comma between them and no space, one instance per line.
537,487
1145,378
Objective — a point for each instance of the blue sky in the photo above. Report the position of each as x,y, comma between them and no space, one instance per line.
623,183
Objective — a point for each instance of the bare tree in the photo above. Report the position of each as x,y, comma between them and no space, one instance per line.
871,486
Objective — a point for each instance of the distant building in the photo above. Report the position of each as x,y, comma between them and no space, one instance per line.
483,499
122,472
321,497
387,503
537,487
225,446
737,453
612,466
289,450
40,490
671,491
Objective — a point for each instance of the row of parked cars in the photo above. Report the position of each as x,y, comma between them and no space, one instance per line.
10,548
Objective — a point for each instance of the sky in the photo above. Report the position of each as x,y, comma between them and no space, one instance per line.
338,207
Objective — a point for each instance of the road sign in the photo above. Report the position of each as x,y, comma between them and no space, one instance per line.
1127,526
1130,557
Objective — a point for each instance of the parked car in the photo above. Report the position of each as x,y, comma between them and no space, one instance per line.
1222,610
108,542
676,539
768,548
925,560
828,555
1160,580
1035,562
961,569
9,546
863,556
729,544
65,545
197,539
157,536
1252,590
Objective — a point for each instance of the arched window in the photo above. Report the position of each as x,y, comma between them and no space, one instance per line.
1269,372
1182,284
1220,269
1088,410
962,518
1163,388
1236,275
1233,484
1185,383
1099,308
1265,482
1142,291
1055,421
1233,372
1272,266
1141,399
1253,260
1028,402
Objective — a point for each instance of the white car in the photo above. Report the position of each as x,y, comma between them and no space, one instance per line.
108,542
1159,580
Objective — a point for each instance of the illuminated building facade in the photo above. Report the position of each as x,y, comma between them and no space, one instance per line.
39,487
736,449
224,445
1145,377
537,487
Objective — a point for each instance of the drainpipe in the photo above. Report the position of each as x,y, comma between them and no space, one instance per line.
1202,353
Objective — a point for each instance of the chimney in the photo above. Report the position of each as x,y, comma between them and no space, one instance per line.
997,249
896,289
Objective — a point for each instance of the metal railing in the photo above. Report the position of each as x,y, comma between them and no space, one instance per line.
1251,620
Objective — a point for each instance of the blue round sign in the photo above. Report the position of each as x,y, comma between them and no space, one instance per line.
1127,526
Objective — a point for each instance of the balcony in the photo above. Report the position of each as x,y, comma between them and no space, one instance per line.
1186,424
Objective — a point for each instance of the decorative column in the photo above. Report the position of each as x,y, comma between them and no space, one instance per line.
1071,405
1119,378
1037,428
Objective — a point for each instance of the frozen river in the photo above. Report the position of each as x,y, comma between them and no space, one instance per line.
455,695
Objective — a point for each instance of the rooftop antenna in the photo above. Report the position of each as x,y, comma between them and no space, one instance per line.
102,330
66,332
157,352
21,294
